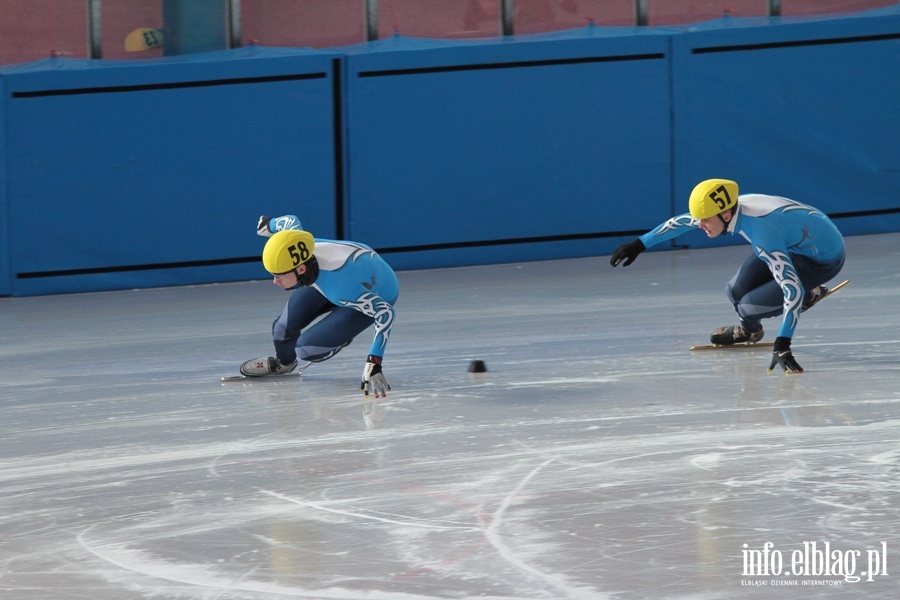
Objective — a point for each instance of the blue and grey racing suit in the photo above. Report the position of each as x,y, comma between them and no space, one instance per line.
355,289
795,248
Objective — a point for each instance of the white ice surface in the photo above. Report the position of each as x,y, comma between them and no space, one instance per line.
598,458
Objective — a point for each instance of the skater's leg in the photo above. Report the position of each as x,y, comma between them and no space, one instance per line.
326,337
814,274
301,309
754,293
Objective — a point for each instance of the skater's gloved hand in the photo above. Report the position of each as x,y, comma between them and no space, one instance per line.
783,356
262,227
373,379
627,252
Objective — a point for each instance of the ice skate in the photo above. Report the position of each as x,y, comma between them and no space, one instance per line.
816,294
265,367
735,334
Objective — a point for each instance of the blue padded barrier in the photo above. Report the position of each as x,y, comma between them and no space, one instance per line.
804,108
5,246
152,173
118,174
532,148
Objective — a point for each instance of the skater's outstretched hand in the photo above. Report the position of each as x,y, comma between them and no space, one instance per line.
262,227
627,252
782,355
373,379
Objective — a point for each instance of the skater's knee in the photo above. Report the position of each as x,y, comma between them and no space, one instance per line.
729,293
280,331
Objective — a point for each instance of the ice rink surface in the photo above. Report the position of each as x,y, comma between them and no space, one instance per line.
598,458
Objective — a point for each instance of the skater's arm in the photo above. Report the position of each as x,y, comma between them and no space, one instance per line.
785,274
373,379
384,321
667,230
266,226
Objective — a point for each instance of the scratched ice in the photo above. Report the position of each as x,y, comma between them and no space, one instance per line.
597,458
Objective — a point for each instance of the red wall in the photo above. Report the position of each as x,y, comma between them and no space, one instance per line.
36,29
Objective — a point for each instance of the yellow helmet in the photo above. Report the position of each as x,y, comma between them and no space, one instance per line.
712,197
287,250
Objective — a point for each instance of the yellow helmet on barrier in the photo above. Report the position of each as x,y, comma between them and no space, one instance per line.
286,250
712,197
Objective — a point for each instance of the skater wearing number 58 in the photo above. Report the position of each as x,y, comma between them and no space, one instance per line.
796,250
338,290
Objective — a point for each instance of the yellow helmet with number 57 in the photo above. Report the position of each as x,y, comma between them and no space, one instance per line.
712,197
286,250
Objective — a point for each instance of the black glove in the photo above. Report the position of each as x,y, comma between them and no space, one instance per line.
783,356
627,252
262,227
373,379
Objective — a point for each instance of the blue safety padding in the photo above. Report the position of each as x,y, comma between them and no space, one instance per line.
452,145
151,173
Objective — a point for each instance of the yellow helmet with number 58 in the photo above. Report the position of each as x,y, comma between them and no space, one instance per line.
286,250
712,197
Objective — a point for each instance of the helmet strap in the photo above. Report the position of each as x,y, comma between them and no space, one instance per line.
310,274
721,218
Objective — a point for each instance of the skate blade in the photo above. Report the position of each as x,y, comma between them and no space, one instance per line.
743,346
244,378
842,284
298,372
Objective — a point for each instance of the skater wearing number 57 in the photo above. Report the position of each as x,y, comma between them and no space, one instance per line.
338,290
796,250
